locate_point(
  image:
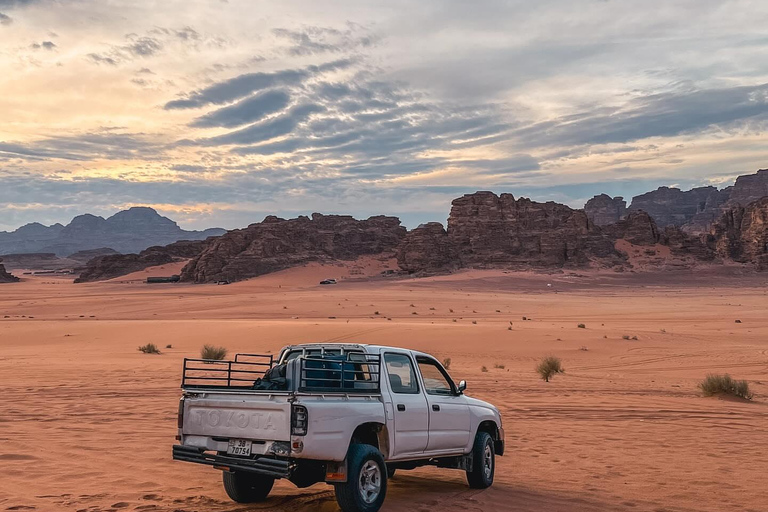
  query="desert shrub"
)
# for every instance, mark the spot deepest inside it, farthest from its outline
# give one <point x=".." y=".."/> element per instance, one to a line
<point x="474" y="322"/>
<point x="211" y="352"/>
<point x="548" y="367"/>
<point x="484" y="369"/>
<point x="581" y="326"/>
<point x="447" y="363"/>
<point x="376" y="313"/>
<point x="498" y="366"/>
<point x="149" y="348"/>
<point x="169" y="346"/>
<point x="583" y="348"/>
<point x="725" y="385"/>
<point x="625" y="337"/>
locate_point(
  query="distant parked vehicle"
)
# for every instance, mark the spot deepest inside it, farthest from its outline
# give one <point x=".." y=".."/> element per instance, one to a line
<point x="223" y="281"/>
<point x="328" y="281"/>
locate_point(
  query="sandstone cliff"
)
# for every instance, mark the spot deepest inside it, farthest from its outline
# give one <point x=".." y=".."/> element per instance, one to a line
<point x="5" y="277"/>
<point x="603" y="210"/>
<point x="275" y="244"/>
<point x="487" y="230"/>
<point x="426" y="249"/>
<point x="741" y="234"/>
<point x="672" y="206"/>
<point x="115" y="265"/>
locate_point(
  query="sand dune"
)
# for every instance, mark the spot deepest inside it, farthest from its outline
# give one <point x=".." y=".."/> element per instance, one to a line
<point x="88" y="421"/>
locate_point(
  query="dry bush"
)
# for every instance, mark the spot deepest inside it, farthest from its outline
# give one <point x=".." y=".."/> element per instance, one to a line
<point x="211" y="352"/>
<point x="484" y="369"/>
<point x="548" y="367"/>
<point x="581" y="326"/>
<point x="725" y="385"/>
<point x="149" y="348"/>
<point x="498" y="366"/>
<point x="447" y="363"/>
<point x="169" y="346"/>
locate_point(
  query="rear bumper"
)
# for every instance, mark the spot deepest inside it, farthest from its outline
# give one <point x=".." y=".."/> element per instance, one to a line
<point x="263" y="465"/>
<point x="498" y="444"/>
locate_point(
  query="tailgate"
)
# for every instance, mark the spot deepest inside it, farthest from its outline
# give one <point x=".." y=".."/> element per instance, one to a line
<point x="253" y="416"/>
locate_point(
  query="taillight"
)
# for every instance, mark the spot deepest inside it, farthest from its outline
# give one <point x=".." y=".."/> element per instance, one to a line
<point x="180" y="417"/>
<point x="299" y="420"/>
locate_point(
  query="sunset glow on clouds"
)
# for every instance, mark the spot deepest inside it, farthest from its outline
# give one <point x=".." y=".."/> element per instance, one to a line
<point x="218" y="113"/>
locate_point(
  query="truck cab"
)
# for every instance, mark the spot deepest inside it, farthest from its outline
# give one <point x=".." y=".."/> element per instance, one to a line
<point x="347" y="414"/>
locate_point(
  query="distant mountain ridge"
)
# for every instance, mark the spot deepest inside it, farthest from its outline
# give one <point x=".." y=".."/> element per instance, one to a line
<point x="127" y="231"/>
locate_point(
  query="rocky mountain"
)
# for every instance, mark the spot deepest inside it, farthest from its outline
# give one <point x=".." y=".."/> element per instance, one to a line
<point x="5" y="277"/>
<point x="604" y="209"/>
<point x="275" y="244"/>
<point x="696" y="210"/>
<point x="426" y="249"/>
<point x="487" y="230"/>
<point x="741" y="234"/>
<point x="128" y="231"/>
<point x="114" y="265"/>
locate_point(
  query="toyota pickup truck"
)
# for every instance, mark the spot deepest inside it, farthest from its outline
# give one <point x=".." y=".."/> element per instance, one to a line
<point x="349" y="415"/>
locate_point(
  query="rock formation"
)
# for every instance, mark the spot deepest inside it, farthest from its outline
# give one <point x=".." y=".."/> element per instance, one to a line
<point x="87" y="255"/>
<point x="603" y="210"/>
<point x="5" y="277"/>
<point x="672" y="206"/>
<point x="638" y="228"/>
<point x="276" y="244"/>
<point x="426" y="249"/>
<point x="741" y="234"/>
<point x="487" y="230"/>
<point x="115" y="265"/>
<point x="128" y="231"/>
<point x="749" y="188"/>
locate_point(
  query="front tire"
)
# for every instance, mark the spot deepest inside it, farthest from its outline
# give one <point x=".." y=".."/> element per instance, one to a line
<point x="366" y="484"/>
<point x="246" y="487"/>
<point x="483" y="462"/>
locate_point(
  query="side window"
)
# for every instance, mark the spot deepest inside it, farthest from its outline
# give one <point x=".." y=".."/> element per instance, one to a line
<point x="402" y="377"/>
<point x="435" y="382"/>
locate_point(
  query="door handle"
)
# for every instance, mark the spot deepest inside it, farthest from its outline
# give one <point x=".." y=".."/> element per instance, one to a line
<point x="401" y="407"/>
<point x="435" y="407"/>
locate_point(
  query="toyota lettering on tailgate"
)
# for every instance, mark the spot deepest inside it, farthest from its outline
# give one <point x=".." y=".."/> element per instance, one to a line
<point x="238" y="419"/>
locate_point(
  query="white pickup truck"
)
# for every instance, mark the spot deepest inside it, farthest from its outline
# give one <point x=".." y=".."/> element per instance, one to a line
<point x="346" y="414"/>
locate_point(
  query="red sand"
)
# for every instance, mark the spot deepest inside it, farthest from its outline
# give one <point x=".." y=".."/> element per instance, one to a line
<point x="88" y="421"/>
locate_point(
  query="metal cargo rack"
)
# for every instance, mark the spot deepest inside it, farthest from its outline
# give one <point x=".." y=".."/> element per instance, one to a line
<point x="239" y="373"/>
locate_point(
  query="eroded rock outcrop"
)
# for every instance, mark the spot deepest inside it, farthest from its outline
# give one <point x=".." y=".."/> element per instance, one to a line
<point x="638" y="228"/>
<point x="426" y="249"/>
<point x="741" y="234"/>
<point x="276" y="244"/>
<point x="672" y="206"/>
<point x="116" y="265"/>
<point x="5" y="277"/>
<point x="487" y="230"/>
<point x="603" y="209"/>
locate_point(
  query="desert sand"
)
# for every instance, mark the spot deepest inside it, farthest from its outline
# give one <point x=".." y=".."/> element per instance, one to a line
<point x="87" y="421"/>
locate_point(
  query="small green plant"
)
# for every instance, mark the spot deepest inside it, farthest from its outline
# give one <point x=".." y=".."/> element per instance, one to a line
<point x="149" y="348"/>
<point x="211" y="352"/>
<point x="484" y="369"/>
<point x="725" y="385"/>
<point x="581" y="326"/>
<point x="447" y="363"/>
<point x="548" y="367"/>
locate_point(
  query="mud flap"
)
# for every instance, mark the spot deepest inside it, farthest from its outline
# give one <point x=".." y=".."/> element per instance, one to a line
<point x="336" y="472"/>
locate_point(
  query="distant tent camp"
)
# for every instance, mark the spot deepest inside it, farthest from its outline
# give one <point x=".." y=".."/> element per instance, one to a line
<point x="166" y="279"/>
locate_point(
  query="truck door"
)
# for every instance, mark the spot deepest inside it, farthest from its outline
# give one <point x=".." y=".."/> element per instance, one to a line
<point x="449" y="418"/>
<point x="411" y="416"/>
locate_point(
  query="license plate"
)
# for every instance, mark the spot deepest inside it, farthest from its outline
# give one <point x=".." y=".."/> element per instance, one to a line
<point x="239" y="447"/>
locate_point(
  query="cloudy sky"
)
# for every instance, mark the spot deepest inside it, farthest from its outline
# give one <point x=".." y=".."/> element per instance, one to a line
<point x="219" y="112"/>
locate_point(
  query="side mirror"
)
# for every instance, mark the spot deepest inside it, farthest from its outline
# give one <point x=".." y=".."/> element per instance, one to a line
<point x="462" y="386"/>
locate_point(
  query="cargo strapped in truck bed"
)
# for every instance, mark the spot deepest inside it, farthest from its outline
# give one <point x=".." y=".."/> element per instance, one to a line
<point x="215" y="374"/>
<point x="354" y="372"/>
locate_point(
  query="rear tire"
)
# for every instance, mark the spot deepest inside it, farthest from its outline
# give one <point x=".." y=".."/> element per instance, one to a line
<point x="246" y="487"/>
<point x="366" y="485"/>
<point x="483" y="462"/>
